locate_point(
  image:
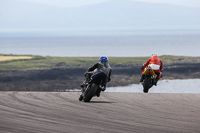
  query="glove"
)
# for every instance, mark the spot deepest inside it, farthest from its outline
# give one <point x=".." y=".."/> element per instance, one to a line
<point x="142" y="67"/>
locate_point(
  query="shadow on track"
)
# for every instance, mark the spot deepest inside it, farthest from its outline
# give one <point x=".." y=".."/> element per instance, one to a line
<point x="100" y="102"/>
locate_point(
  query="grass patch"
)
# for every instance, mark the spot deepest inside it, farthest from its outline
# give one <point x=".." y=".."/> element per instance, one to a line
<point x="21" y="62"/>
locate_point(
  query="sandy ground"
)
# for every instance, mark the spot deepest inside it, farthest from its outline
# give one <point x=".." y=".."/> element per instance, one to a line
<point x="5" y="58"/>
<point x="61" y="112"/>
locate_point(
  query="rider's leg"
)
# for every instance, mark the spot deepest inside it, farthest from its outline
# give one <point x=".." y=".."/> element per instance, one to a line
<point x="100" y="79"/>
<point x="157" y="78"/>
<point x="142" y="78"/>
<point x="103" y="81"/>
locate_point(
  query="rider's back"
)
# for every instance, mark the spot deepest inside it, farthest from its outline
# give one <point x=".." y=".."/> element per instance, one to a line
<point x="155" y="63"/>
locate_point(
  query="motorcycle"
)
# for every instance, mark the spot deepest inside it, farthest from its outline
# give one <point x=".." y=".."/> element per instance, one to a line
<point x="90" y="90"/>
<point x="149" y="79"/>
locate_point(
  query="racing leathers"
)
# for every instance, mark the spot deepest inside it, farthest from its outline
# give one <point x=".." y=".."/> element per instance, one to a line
<point x="156" y="64"/>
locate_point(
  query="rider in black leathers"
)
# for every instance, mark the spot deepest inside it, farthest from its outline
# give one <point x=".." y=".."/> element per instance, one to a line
<point x="101" y="73"/>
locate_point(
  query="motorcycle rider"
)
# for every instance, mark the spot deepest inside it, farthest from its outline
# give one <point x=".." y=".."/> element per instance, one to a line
<point x="101" y="73"/>
<point x="156" y="64"/>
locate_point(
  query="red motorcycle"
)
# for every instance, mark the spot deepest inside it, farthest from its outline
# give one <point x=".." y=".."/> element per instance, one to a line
<point x="150" y="79"/>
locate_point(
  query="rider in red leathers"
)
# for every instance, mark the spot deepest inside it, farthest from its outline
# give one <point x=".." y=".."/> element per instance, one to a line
<point x="156" y="64"/>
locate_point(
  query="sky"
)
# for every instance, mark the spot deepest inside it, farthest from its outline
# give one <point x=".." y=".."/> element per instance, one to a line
<point x="76" y="3"/>
<point x="21" y="15"/>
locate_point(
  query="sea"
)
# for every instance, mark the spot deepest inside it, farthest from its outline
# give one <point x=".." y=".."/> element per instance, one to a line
<point x="120" y="44"/>
<point x="163" y="86"/>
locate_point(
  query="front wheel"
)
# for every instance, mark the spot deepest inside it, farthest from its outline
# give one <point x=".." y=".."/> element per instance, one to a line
<point x="146" y="84"/>
<point x="90" y="92"/>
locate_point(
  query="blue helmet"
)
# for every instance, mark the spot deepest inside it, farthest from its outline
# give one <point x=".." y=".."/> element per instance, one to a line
<point x="103" y="59"/>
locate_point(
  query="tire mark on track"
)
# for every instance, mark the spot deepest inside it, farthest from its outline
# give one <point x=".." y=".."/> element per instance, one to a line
<point x="111" y="112"/>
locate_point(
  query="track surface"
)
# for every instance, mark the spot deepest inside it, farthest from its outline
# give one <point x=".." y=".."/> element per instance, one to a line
<point x="61" y="112"/>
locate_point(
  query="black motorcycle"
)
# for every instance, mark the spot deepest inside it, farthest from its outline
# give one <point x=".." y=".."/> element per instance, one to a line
<point x="93" y="88"/>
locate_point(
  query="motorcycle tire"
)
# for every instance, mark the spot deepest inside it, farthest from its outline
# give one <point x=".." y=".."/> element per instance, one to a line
<point x="90" y="93"/>
<point x="146" y="84"/>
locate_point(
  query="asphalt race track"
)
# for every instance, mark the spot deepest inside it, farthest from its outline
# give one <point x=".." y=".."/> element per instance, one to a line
<point x="61" y="112"/>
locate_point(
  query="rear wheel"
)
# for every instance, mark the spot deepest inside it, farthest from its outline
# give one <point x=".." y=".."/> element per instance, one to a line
<point x="90" y="92"/>
<point x="146" y="84"/>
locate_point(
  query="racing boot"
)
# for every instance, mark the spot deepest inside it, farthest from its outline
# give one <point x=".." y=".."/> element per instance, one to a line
<point x="98" y="92"/>
<point x="103" y="88"/>
<point x="81" y="97"/>
<point x="82" y="85"/>
<point x="155" y="81"/>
